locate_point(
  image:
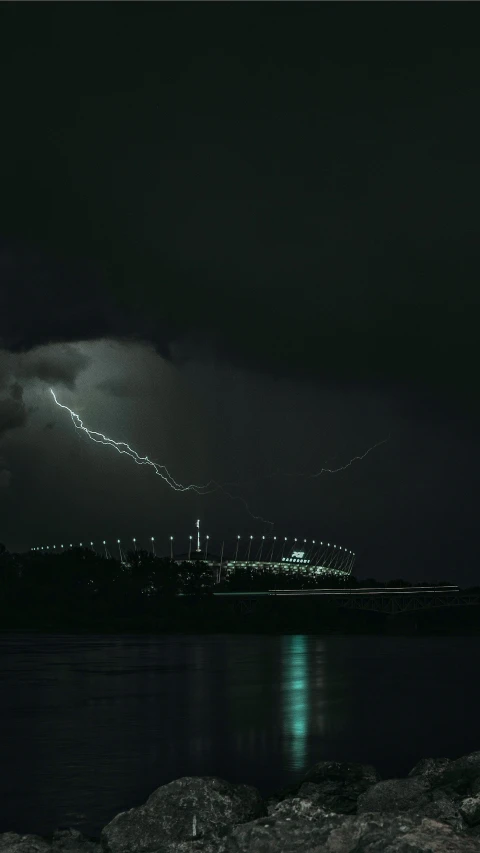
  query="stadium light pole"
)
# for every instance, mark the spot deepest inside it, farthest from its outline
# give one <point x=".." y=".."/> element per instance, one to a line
<point x="152" y="539"/>
<point x="190" y="548"/>
<point x="236" y="549"/>
<point x="105" y="548"/>
<point x="221" y="561"/>
<point x="249" y="546"/>
<point x="261" y="549"/>
<point x="135" y="544"/>
<point x="171" y="547"/>
<point x="283" y="548"/>
<point x="273" y="546"/>
<point x="206" y="546"/>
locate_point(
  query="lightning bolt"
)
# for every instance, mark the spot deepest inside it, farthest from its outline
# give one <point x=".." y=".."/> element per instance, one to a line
<point x="307" y="475"/>
<point x="210" y="487"/>
<point x="347" y="465"/>
<point x="161" y="470"/>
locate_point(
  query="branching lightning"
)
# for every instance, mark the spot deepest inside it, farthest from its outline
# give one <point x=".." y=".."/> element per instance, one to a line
<point x="307" y="475"/>
<point x="210" y="487"/>
<point x="347" y="465"/>
<point x="160" y="470"/>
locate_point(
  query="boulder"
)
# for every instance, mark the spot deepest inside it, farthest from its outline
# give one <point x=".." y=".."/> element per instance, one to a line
<point x="367" y="833"/>
<point x="412" y="834"/>
<point x="306" y="808"/>
<point x="72" y="841"/>
<point x="183" y="810"/>
<point x="430" y="768"/>
<point x="394" y="795"/>
<point x="470" y="810"/>
<point x="461" y="775"/>
<point x="11" y="842"/>
<point x="335" y="785"/>
<point x="439" y="805"/>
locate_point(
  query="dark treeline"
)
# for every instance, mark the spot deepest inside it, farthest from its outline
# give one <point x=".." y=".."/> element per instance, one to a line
<point x="80" y="589"/>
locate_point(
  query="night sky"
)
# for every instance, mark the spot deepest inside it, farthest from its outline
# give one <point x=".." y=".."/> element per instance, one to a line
<point x="244" y="238"/>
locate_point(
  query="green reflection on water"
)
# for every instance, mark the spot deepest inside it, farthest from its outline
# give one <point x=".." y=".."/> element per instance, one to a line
<point x="296" y="699"/>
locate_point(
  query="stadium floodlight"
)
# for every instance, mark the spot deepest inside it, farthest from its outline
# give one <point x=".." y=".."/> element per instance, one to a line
<point x="81" y="546"/>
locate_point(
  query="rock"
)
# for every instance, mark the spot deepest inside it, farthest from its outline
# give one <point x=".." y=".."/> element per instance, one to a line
<point x="283" y="794"/>
<point x="72" y="841"/>
<point x="299" y="807"/>
<point x="409" y="834"/>
<point x="334" y="784"/>
<point x="461" y="774"/>
<point x="367" y="833"/>
<point x="394" y="795"/>
<point x="183" y="810"/>
<point x="11" y="842"/>
<point x="414" y="796"/>
<point x="439" y="805"/>
<point x="470" y="810"/>
<point x="430" y="768"/>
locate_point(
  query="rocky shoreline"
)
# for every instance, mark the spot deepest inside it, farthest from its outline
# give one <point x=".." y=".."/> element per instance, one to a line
<point x="337" y="807"/>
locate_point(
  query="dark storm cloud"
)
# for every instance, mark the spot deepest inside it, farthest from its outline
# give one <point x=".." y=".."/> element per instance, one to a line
<point x="120" y="387"/>
<point x="5" y="477"/>
<point x="307" y="211"/>
<point x="13" y="412"/>
<point x="55" y="365"/>
<point x="46" y="300"/>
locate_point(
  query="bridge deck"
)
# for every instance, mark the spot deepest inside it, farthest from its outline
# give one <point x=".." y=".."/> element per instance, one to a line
<point x="375" y="600"/>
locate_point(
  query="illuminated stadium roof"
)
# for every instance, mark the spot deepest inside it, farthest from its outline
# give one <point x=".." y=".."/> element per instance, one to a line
<point x="275" y="553"/>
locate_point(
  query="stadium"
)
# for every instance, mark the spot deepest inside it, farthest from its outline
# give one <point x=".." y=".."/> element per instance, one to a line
<point x="268" y="553"/>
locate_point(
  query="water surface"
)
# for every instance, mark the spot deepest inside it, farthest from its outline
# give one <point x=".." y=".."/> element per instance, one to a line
<point x="91" y="725"/>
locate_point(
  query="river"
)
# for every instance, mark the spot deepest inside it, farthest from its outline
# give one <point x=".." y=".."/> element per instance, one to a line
<point x="91" y="725"/>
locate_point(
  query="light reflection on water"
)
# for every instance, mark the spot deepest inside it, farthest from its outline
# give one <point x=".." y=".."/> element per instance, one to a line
<point x="92" y="725"/>
<point x="295" y="696"/>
